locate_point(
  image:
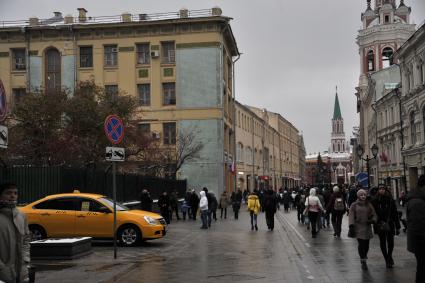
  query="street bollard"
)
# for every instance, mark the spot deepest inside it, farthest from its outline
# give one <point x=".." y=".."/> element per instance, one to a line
<point x="31" y="273"/>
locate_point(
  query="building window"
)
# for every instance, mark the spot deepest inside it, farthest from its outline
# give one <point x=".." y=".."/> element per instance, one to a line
<point x="370" y="61"/>
<point x="18" y="94"/>
<point x="18" y="57"/>
<point x="144" y="128"/>
<point x="111" y="91"/>
<point x="422" y="72"/>
<point x="111" y="55"/>
<point x="168" y="52"/>
<point x="248" y="156"/>
<point x="239" y="153"/>
<point x="412" y="128"/>
<point x="143" y="53"/>
<point x="387" y="19"/>
<point x="53" y="70"/>
<point x="169" y="130"/>
<point x="387" y="57"/>
<point x="86" y="56"/>
<point x="144" y="91"/>
<point x="169" y="94"/>
<point x="423" y="121"/>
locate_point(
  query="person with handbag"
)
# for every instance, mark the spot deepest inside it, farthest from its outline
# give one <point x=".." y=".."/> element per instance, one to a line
<point x="360" y="219"/>
<point x="313" y="207"/>
<point x="388" y="223"/>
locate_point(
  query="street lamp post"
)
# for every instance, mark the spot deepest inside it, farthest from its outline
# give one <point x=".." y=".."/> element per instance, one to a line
<point x="360" y="152"/>
<point x="334" y="166"/>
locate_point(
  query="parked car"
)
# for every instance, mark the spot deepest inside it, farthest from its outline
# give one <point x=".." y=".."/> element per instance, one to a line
<point x="79" y="214"/>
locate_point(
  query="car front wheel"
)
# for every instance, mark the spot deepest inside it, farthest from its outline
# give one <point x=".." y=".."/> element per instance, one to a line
<point x="37" y="233"/>
<point x="129" y="235"/>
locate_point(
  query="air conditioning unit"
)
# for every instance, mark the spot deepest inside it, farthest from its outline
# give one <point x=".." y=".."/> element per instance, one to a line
<point x="156" y="135"/>
<point x="154" y="53"/>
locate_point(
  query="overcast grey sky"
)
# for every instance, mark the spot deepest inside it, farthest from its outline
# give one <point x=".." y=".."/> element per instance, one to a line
<point x="294" y="52"/>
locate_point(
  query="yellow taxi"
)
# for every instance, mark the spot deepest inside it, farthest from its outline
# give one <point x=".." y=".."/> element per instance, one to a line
<point x="91" y="215"/>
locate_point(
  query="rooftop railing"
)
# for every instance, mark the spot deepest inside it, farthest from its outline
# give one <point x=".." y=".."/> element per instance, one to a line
<point x="116" y="19"/>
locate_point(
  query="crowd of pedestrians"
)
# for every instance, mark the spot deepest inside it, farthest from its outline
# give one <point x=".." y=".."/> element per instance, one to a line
<point x="370" y="213"/>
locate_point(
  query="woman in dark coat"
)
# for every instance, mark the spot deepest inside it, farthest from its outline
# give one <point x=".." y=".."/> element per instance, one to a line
<point x="415" y="215"/>
<point x="388" y="223"/>
<point x="360" y="219"/>
<point x="270" y="204"/>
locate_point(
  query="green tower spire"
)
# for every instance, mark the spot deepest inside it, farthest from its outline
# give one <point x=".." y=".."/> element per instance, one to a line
<point x="337" y="110"/>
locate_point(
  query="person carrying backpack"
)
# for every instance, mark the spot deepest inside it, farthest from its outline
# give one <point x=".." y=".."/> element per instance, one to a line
<point x="336" y="206"/>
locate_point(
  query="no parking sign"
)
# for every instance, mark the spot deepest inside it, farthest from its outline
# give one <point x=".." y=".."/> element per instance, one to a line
<point x="114" y="129"/>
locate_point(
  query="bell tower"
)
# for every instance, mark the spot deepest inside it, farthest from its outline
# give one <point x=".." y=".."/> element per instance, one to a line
<point x="385" y="28"/>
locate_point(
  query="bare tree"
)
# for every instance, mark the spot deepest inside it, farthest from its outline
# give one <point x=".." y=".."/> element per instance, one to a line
<point x="187" y="149"/>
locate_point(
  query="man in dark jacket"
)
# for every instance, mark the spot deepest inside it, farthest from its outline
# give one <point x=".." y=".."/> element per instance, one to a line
<point x="336" y="206"/>
<point x="270" y="204"/>
<point x="194" y="204"/>
<point x="164" y="206"/>
<point x="145" y="201"/>
<point x="416" y="227"/>
<point x="174" y="203"/>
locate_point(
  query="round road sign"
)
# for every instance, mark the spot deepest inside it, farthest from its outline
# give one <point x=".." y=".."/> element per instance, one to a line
<point x="3" y="105"/>
<point x="114" y="129"/>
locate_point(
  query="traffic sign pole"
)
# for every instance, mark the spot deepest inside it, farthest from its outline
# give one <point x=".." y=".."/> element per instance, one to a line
<point x="114" y="130"/>
<point x="114" y="193"/>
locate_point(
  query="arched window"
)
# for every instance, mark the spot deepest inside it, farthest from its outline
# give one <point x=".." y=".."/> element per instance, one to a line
<point x="412" y="128"/>
<point x="338" y="148"/>
<point x="52" y="70"/>
<point x="370" y="61"/>
<point x="387" y="57"/>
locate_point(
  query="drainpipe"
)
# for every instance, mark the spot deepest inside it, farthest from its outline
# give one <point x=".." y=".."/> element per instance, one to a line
<point x="74" y="40"/>
<point x="27" y="56"/>
<point x="399" y="96"/>
<point x="253" y="154"/>
<point x="234" y="119"/>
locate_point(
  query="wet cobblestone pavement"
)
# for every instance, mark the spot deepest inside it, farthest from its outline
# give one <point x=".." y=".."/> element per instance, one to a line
<point x="231" y="252"/>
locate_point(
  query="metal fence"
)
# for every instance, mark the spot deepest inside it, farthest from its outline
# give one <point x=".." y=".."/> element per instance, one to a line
<point x="37" y="182"/>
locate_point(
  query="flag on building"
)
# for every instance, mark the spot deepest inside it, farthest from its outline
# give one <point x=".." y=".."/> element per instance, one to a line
<point x="233" y="167"/>
<point x="384" y="157"/>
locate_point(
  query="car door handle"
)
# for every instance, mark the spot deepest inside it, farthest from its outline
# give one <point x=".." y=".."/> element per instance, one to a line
<point x="45" y="214"/>
<point x="80" y="216"/>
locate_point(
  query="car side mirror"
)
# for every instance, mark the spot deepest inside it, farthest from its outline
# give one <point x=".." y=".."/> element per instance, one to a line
<point x="104" y="209"/>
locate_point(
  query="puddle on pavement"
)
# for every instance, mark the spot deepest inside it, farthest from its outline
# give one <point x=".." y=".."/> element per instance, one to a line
<point x="52" y="266"/>
<point x="236" y="277"/>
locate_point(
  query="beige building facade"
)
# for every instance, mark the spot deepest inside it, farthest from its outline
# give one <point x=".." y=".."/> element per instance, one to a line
<point x="268" y="150"/>
<point x="178" y="65"/>
<point x="412" y="64"/>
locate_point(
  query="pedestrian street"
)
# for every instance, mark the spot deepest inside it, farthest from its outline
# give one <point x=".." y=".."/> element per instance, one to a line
<point x="230" y="252"/>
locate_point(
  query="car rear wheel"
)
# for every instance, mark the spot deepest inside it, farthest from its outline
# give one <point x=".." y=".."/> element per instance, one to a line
<point x="129" y="235"/>
<point x="37" y="233"/>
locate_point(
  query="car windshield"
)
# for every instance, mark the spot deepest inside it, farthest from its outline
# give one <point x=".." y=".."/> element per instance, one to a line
<point x="110" y="203"/>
